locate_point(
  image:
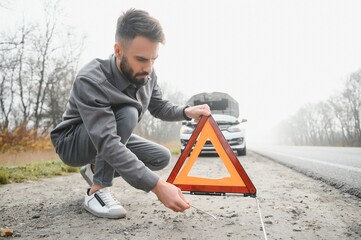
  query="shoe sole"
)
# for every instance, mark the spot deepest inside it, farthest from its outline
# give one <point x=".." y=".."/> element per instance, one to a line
<point x="103" y="215"/>
<point x="82" y="172"/>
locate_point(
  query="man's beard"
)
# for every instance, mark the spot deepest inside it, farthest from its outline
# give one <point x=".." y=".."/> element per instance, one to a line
<point x="129" y="73"/>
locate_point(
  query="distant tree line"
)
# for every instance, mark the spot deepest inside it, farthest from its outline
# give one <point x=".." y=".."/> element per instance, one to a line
<point x="162" y="131"/>
<point x="335" y="122"/>
<point x="38" y="63"/>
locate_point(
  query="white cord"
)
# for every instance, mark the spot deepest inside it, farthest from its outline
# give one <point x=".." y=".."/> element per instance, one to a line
<point x="260" y="216"/>
<point x="204" y="212"/>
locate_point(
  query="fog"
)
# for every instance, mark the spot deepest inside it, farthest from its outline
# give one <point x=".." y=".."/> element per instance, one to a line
<point x="271" y="56"/>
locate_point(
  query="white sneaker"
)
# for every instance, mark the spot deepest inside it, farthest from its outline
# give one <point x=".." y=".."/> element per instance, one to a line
<point x="87" y="173"/>
<point x="103" y="203"/>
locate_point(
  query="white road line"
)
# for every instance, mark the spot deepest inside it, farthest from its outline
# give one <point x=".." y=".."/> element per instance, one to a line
<point x="350" y="168"/>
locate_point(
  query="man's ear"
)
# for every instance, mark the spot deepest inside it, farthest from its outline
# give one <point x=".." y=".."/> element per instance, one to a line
<point x="118" y="50"/>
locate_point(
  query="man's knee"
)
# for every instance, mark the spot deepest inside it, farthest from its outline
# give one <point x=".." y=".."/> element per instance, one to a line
<point x="161" y="160"/>
<point x="75" y="148"/>
<point x="127" y="118"/>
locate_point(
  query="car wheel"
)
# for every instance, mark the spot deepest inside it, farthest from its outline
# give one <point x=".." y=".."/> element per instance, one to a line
<point x="242" y="152"/>
<point x="182" y="150"/>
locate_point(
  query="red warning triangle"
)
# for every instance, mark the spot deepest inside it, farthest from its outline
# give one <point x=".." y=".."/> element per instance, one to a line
<point x="238" y="182"/>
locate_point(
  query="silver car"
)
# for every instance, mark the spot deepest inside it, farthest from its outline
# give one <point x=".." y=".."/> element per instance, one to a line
<point x="225" y="112"/>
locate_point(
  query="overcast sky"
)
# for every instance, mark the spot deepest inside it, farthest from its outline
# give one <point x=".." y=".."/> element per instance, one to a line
<point x="271" y="56"/>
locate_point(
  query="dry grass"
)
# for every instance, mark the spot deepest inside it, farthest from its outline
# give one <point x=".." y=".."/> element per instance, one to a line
<point x="31" y="165"/>
<point x="173" y="146"/>
<point x="15" y="159"/>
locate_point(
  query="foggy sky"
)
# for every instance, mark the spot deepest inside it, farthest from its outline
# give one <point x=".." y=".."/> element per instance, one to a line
<point x="272" y="56"/>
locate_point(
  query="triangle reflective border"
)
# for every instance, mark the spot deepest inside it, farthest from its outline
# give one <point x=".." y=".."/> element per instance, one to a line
<point x="238" y="182"/>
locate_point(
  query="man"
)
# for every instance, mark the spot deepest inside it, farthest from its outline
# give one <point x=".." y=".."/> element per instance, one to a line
<point x="108" y="99"/>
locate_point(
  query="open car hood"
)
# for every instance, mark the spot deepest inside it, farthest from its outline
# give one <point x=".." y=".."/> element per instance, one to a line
<point x="219" y="102"/>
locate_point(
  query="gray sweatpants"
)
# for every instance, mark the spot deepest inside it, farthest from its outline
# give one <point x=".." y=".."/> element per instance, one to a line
<point x="78" y="150"/>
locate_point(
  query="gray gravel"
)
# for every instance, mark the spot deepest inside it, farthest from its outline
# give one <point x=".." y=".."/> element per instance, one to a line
<point x="294" y="206"/>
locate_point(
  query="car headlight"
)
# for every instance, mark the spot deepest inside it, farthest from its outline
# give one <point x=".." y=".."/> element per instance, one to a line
<point x="236" y="128"/>
<point x="186" y="130"/>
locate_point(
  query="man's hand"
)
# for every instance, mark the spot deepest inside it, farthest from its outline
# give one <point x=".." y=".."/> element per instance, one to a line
<point x="196" y="112"/>
<point x="171" y="196"/>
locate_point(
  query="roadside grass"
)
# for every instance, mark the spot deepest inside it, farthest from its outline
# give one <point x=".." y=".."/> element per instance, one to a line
<point x="34" y="165"/>
<point x="34" y="171"/>
<point x="175" y="151"/>
<point x="173" y="146"/>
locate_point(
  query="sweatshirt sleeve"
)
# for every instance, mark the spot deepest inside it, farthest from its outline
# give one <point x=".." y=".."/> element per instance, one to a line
<point x="164" y="109"/>
<point x="99" y="120"/>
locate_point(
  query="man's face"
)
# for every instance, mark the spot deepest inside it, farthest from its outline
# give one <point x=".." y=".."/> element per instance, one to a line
<point x="137" y="59"/>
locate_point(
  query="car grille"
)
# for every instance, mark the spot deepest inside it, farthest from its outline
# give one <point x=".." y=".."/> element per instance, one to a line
<point x="224" y="127"/>
<point x="231" y="142"/>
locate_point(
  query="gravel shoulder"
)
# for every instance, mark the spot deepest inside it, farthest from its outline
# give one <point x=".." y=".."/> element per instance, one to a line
<point x="293" y="206"/>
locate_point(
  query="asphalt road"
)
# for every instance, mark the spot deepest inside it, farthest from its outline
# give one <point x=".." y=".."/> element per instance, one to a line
<point x="337" y="166"/>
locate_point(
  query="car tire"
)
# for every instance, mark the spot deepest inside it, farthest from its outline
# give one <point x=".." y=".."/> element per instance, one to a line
<point x="182" y="150"/>
<point x="242" y="152"/>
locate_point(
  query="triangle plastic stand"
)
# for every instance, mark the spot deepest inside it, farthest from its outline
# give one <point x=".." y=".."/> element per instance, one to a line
<point x="238" y="182"/>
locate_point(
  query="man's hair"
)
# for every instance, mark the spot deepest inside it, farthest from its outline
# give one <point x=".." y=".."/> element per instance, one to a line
<point x="135" y="23"/>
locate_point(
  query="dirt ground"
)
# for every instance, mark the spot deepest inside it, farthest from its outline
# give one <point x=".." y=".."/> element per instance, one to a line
<point x="293" y="207"/>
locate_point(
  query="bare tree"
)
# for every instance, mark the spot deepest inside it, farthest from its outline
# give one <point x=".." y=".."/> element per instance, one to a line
<point x="342" y="114"/>
<point x="313" y="124"/>
<point x="11" y="62"/>
<point x="25" y="86"/>
<point x="43" y="48"/>
<point x="157" y="130"/>
<point x="6" y="95"/>
<point x="352" y="95"/>
<point x="38" y="63"/>
<point x="60" y="82"/>
<point x="58" y="56"/>
<point x="326" y="125"/>
<point x="334" y="122"/>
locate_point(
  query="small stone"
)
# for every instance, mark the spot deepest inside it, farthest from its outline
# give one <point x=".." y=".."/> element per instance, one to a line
<point x="230" y="223"/>
<point x="231" y="215"/>
<point x="17" y="235"/>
